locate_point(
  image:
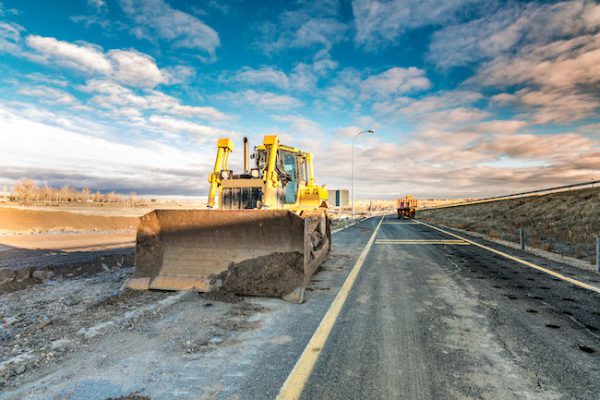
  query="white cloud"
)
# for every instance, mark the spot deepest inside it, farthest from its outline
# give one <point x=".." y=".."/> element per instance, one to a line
<point x="543" y="147"/>
<point x="557" y="82"/>
<point x="180" y="125"/>
<point x="348" y="131"/>
<point x="259" y="76"/>
<point x="561" y="64"/>
<point x="64" y="119"/>
<point x="304" y="77"/>
<point x="132" y="67"/>
<point x="395" y="81"/>
<point x="303" y="126"/>
<point x="299" y="131"/>
<point x="129" y="67"/>
<point x="415" y="108"/>
<point x="382" y="22"/>
<point x="255" y="98"/>
<point x="98" y="5"/>
<point x="85" y="57"/>
<point x="513" y="27"/>
<point x="344" y="90"/>
<point x="318" y="31"/>
<point x="110" y="95"/>
<point x="178" y="74"/>
<point x="501" y="126"/>
<point x="56" y="81"/>
<point x="313" y="24"/>
<point x="59" y="154"/>
<point x="10" y="35"/>
<point x="49" y="94"/>
<point x="5" y="11"/>
<point x="156" y="18"/>
<point x="552" y="106"/>
<point x="91" y="20"/>
<point x="444" y="163"/>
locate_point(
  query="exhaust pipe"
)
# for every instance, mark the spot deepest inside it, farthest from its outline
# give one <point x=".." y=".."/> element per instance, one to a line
<point x="246" y="157"/>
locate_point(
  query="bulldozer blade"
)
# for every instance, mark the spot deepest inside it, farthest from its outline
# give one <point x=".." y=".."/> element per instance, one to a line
<point x="247" y="252"/>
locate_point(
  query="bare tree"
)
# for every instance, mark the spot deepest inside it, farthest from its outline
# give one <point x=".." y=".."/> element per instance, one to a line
<point x="46" y="193"/>
<point x="85" y="194"/>
<point x="113" y="197"/>
<point x="25" y="189"/>
<point x="64" y="194"/>
<point x="132" y="198"/>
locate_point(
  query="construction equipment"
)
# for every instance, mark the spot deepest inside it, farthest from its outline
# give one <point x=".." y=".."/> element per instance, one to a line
<point x="407" y="207"/>
<point x="268" y="237"/>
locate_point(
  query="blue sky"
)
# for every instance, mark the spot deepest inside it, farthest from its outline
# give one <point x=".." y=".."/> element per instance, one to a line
<point x="468" y="98"/>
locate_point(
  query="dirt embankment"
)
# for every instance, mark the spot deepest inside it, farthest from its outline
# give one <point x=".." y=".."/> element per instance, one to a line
<point x="14" y="220"/>
<point x="566" y="223"/>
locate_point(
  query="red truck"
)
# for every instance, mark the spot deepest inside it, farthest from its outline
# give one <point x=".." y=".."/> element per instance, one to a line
<point x="407" y="207"/>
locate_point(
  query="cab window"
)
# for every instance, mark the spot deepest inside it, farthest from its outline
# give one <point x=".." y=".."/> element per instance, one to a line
<point x="291" y="168"/>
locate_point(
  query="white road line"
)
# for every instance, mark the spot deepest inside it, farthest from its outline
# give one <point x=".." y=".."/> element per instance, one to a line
<point x="519" y="260"/>
<point x="296" y="380"/>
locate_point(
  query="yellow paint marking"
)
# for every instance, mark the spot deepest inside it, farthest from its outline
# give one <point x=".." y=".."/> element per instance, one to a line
<point x="519" y="260"/>
<point x="423" y="242"/>
<point x="295" y="382"/>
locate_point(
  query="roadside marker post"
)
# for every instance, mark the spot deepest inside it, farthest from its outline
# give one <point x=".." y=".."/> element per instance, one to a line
<point x="598" y="253"/>
<point x="522" y="237"/>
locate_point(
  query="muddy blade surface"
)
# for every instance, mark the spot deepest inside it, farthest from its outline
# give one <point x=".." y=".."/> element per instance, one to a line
<point x="247" y="252"/>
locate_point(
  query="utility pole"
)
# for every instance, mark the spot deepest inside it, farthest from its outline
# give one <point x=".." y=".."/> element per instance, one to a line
<point x="353" y="143"/>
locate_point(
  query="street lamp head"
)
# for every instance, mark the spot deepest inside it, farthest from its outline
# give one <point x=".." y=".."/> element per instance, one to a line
<point x="370" y="131"/>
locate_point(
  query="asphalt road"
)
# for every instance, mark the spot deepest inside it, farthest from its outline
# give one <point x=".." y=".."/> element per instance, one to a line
<point x="428" y="317"/>
<point x="448" y="320"/>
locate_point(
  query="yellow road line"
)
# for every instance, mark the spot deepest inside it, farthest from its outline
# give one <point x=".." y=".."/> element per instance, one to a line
<point x="295" y="382"/>
<point x="424" y="243"/>
<point x="421" y="240"/>
<point x="519" y="260"/>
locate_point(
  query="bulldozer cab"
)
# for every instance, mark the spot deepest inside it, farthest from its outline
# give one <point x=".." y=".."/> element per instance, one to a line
<point x="282" y="178"/>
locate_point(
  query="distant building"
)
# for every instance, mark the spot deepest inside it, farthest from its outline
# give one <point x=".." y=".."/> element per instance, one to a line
<point x="339" y="198"/>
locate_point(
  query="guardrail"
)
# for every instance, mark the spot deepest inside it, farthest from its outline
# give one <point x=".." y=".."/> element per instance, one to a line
<point x="538" y="192"/>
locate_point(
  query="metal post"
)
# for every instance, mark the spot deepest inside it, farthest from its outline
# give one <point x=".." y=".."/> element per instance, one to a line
<point x="353" y="142"/>
<point x="522" y="237"/>
<point x="598" y="253"/>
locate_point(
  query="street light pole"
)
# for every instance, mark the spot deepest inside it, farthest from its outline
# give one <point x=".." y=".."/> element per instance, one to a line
<point x="353" y="143"/>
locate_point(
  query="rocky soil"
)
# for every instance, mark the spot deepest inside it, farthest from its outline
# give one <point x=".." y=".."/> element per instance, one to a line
<point x="57" y="320"/>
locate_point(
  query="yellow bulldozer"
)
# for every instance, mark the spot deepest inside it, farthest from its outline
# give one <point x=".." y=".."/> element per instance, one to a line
<point x="267" y="237"/>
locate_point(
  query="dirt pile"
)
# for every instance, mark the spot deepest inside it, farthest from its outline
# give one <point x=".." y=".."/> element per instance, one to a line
<point x="26" y="221"/>
<point x="566" y="223"/>
<point x="274" y="275"/>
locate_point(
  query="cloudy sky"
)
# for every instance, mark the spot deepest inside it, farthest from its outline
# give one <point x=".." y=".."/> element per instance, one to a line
<point x="467" y="97"/>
